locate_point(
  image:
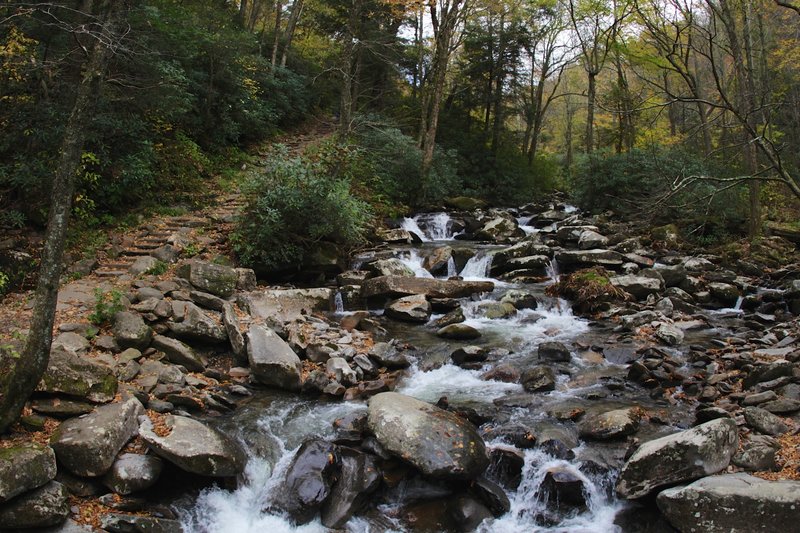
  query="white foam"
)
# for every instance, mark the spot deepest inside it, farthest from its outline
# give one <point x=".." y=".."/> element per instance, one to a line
<point x="456" y="383"/>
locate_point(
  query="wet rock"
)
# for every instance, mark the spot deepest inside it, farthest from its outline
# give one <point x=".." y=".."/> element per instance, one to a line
<point x="309" y="480"/>
<point x="359" y="477"/>
<point x="505" y="467"/>
<point x="553" y="352"/>
<point x="130" y="331"/>
<point x="757" y="454"/>
<point x="127" y="523"/>
<point x="133" y="472"/>
<point x="665" y="307"/>
<point x="467" y="512"/>
<point x="621" y="355"/>
<point x="453" y="317"/>
<point x="436" y="261"/>
<point x="764" y="422"/>
<point x="669" y="334"/>
<point x="468" y="354"/>
<point x="639" y="286"/>
<point x="440" y="444"/>
<point x="538" y="379"/>
<point x="520" y="299"/>
<point x="179" y="353"/>
<point x="564" y="486"/>
<point x="497" y="310"/>
<point x="684" y="456"/>
<point x="196" y="325"/>
<point x="25" y="467"/>
<point x="731" y="502"/>
<point x="218" y="280"/>
<point x="272" y="361"/>
<point x="492" y="495"/>
<point x="194" y="447"/>
<point x="500" y="229"/>
<point x="611" y="424"/>
<point x="458" y="332"/>
<point x="87" y="446"/>
<point x="42" y="507"/>
<point x="393" y="286"/>
<point x="415" y="308"/>
<point x="724" y="293"/>
<point x="534" y="265"/>
<point x="387" y="355"/>
<point x="503" y="372"/>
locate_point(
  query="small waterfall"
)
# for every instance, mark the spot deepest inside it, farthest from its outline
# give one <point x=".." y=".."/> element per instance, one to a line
<point x="553" y="272"/>
<point x="530" y="510"/>
<point x="410" y="224"/>
<point x="438" y="227"/>
<point x="478" y="266"/>
<point x="338" y="303"/>
<point x="414" y="261"/>
<point x="452" y="270"/>
<point x="738" y="306"/>
<point x="524" y="225"/>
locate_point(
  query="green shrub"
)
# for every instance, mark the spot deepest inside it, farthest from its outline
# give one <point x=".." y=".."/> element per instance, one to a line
<point x="294" y="205"/>
<point x="156" y="270"/>
<point x="106" y="305"/>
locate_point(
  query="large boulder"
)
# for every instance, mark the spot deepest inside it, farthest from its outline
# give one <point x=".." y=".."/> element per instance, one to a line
<point x="390" y="267"/>
<point x="414" y="308"/>
<point x="87" y="445"/>
<point x="462" y="332"/>
<point x="309" y="479"/>
<point x="359" y="477"/>
<point x="590" y="239"/>
<point x="639" y="286"/>
<point x="179" y="353"/>
<point x="437" y="442"/>
<point x="219" y="280"/>
<point x="732" y="503"/>
<point x="394" y="286"/>
<point x="500" y="229"/>
<point x="683" y="456"/>
<point x="436" y="261"/>
<point x="272" y="361"/>
<point x="24" y="468"/>
<point x="574" y="259"/>
<point x="78" y="377"/>
<point x="193" y="324"/>
<point x="286" y="304"/>
<point x="43" y="507"/>
<point x="193" y="446"/>
<point x="610" y="425"/>
<point x="130" y="331"/>
<point x="132" y="472"/>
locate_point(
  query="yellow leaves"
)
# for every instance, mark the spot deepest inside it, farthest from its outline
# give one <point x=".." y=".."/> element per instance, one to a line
<point x="15" y="52"/>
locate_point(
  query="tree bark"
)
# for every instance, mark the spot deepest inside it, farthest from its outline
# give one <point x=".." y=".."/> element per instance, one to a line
<point x="591" y="95"/>
<point x="23" y="378"/>
<point x="294" y="16"/>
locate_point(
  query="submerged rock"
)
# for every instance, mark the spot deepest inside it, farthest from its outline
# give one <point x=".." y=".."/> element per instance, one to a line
<point x="683" y="456"/>
<point x="194" y="447"/>
<point x="731" y="503"/>
<point x="458" y="332"/>
<point x="439" y="443"/>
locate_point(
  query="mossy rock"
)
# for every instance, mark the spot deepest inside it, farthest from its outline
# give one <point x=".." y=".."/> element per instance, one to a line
<point x="465" y="203"/>
<point x="590" y="290"/>
<point x="75" y="376"/>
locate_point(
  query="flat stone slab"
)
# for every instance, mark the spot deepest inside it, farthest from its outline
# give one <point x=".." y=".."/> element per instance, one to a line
<point x="731" y="503"/>
<point x="397" y="286"/>
<point x="286" y="304"/>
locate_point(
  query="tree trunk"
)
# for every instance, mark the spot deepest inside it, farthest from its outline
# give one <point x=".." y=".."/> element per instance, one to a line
<point x="22" y="379"/>
<point x="297" y="10"/>
<point x="590" y="102"/>
<point x="277" y="40"/>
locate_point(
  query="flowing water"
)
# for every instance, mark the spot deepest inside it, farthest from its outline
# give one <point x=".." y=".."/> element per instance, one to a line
<point x="273" y="425"/>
